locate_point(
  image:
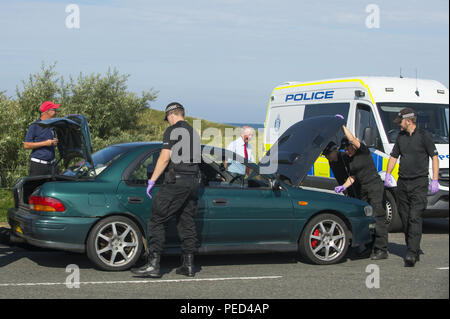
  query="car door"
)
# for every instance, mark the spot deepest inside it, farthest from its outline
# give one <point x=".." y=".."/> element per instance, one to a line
<point x="245" y="209"/>
<point x="132" y="195"/>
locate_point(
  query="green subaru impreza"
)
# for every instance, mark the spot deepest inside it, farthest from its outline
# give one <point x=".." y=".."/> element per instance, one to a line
<point x="99" y="206"/>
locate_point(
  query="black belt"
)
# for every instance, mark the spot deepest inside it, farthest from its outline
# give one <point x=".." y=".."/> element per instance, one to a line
<point x="179" y="175"/>
<point x="187" y="173"/>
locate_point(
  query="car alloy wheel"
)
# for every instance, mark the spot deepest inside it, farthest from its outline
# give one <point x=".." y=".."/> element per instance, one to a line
<point x="115" y="243"/>
<point x="325" y="240"/>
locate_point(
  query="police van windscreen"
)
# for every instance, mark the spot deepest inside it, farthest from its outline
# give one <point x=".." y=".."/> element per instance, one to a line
<point x="431" y="117"/>
<point x="312" y="110"/>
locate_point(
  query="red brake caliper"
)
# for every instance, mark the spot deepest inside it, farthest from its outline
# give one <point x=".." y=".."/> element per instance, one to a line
<point x="314" y="242"/>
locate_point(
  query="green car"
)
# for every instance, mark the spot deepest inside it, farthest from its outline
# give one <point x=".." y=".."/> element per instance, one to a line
<point x="99" y="206"/>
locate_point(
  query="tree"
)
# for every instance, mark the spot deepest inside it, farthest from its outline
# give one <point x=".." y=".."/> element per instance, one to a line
<point x="105" y="101"/>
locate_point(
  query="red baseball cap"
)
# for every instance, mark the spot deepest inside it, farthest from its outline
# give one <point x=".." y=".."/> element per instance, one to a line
<point x="47" y="105"/>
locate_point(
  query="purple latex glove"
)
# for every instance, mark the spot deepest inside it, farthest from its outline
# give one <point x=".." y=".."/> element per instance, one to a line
<point x="340" y="189"/>
<point x="434" y="187"/>
<point x="389" y="180"/>
<point x="149" y="188"/>
<point x="339" y="116"/>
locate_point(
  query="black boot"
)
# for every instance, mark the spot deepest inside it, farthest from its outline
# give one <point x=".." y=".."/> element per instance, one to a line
<point x="379" y="254"/>
<point x="187" y="268"/>
<point x="151" y="268"/>
<point x="411" y="259"/>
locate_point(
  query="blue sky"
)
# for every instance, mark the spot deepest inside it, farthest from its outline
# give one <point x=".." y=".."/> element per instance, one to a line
<point x="222" y="58"/>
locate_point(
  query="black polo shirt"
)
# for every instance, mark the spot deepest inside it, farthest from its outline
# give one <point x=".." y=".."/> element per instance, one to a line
<point x="341" y="171"/>
<point x="415" y="151"/>
<point x="184" y="143"/>
<point x="362" y="166"/>
<point x="38" y="133"/>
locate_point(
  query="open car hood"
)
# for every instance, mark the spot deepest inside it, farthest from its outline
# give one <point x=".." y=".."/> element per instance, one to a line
<point x="296" y="150"/>
<point x="74" y="138"/>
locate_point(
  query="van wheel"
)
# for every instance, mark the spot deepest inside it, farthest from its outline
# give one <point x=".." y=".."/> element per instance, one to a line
<point x="114" y="243"/>
<point x="393" y="220"/>
<point x="325" y="240"/>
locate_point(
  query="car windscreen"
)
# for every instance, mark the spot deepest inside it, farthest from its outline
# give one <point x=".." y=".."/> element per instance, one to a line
<point x="101" y="159"/>
<point x="430" y="117"/>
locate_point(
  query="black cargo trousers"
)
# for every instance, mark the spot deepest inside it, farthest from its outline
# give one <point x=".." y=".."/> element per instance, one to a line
<point x="374" y="194"/>
<point x="412" y="201"/>
<point x="37" y="169"/>
<point x="177" y="198"/>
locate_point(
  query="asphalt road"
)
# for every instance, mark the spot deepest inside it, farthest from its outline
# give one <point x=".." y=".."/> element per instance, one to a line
<point x="42" y="274"/>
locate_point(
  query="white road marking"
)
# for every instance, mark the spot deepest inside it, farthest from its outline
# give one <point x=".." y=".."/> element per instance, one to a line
<point x="443" y="268"/>
<point x="152" y="281"/>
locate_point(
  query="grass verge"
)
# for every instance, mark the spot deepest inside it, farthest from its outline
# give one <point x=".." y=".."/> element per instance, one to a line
<point x="6" y="202"/>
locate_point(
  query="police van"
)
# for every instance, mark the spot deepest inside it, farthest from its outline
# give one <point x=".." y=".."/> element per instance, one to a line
<point x="369" y="105"/>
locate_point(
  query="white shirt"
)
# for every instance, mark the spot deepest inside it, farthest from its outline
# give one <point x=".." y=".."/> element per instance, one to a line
<point x="237" y="146"/>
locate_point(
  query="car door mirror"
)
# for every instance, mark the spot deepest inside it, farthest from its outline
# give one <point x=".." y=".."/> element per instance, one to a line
<point x="275" y="184"/>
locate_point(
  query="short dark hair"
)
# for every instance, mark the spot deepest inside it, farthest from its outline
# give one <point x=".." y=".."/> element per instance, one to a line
<point x="178" y="111"/>
<point x="406" y="113"/>
<point x="174" y="108"/>
<point x="330" y="148"/>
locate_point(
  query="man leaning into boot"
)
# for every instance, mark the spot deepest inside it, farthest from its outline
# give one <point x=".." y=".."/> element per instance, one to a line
<point x="177" y="195"/>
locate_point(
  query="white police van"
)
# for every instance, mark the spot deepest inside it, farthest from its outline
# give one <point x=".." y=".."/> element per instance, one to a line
<point x="369" y="105"/>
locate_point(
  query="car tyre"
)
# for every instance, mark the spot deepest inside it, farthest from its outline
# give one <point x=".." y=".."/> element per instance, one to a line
<point x="393" y="219"/>
<point x="324" y="240"/>
<point x="114" y="243"/>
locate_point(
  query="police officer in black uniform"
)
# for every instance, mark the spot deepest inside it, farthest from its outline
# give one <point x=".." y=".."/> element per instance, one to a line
<point x="339" y="164"/>
<point x="415" y="146"/>
<point x="362" y="169"/>
<point x="177" y="196"/>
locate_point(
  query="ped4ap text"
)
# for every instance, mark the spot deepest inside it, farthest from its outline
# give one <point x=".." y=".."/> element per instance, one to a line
<point x="228" y="308"/>
<point x="243" y="308"/>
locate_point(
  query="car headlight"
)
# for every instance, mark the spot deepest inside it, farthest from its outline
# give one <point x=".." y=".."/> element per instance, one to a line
<point x="368" y="210"/>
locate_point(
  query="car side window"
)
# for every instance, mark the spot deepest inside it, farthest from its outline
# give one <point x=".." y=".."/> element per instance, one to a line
<point x="255" y="180"/>
<point x="214" y="170"/>
<point x="215" y="173"/>
<point x="145" y="170"/>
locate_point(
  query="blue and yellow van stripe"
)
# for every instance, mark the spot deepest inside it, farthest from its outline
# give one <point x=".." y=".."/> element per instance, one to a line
<point x="321" y="167"/>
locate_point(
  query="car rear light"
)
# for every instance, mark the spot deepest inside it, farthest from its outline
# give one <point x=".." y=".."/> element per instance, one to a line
<point x="46" y="204"/>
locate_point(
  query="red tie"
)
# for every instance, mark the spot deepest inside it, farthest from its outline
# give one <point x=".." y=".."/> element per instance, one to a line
<point x="246" y="157"/>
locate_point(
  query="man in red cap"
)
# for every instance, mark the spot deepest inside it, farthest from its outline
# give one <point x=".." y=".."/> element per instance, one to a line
<point x="42" y="142"/>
